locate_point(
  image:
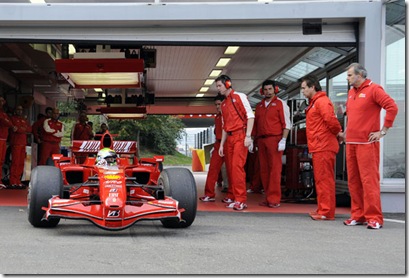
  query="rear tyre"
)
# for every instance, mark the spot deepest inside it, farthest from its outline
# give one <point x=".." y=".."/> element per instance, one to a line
<point x="45" y="182"/>
<point x="180" y="184"/>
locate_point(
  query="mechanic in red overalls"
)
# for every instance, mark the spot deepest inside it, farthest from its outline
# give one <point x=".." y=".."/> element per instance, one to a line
<point x="271" y="128"/>
<point x="53" y="132"/>
<point x="238" y="120"/>
<point x="362" y="135"/>
<point x="5" y="124"/>
<point x="18" y="142"/>
<point x="37" y="129"/>
<point x="322" y="128"/>
<point x="216" y="161"/>
<point x="82" y="131"/>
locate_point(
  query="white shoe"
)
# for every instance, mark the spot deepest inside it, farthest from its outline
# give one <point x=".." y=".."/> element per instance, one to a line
<point x="207" y="199"/>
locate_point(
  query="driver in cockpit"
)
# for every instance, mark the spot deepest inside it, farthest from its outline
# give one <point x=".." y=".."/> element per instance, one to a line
<point x="106" y="157"/>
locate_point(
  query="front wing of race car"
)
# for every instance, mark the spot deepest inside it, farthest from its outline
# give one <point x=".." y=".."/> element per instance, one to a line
<point x="113" y="217"/>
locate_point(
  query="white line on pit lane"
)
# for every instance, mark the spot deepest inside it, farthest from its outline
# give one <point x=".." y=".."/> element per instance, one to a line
<point x="394" y="220"/>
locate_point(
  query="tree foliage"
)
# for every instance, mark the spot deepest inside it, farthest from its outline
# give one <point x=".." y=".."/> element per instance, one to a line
<point x="157" y="132"/>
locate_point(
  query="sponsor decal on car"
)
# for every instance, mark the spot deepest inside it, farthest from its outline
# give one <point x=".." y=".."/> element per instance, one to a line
<point x="113" y="213"/>
<point x="112" y="177"/>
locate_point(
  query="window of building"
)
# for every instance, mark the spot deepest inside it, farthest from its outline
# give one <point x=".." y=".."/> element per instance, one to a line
<point x="394" y="143"/>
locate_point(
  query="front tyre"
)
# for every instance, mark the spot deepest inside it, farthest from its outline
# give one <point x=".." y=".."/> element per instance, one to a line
<point x="180" y="184"/>
<point x="45" y="182"/>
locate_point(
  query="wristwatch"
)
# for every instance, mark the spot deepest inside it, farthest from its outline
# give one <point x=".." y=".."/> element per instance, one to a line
<point x="383" y="133"/>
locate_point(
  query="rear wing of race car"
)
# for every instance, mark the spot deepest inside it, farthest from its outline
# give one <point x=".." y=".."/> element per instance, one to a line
<point x="93" y="146"/>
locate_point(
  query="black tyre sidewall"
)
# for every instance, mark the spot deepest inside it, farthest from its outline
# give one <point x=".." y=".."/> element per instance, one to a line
<point x="45" y="182"/>
<point x="180" y="184"/>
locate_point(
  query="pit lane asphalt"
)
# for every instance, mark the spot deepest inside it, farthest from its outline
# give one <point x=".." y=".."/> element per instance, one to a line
<point x="216" y="243"/>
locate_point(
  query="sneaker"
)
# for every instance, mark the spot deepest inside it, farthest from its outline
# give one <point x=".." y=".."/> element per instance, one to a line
<point x="250" y="190"/>
<point x="2" y="186"/>
<point x="207" y="199"/>
<point x="239" y="206"/>
<point x="353" y="222"/>
<point x="227" y="200"/>
<point x="313" y="213"/>
<point x="320" y="217"/>
<point x="231" y="205"/>
<point x="373" y="225"/>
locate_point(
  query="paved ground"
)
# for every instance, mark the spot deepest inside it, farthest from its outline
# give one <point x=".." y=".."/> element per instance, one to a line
<point x="216" y="243"/>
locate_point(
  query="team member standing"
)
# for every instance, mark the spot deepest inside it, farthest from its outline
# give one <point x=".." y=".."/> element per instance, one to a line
<point x="362" y="135"/>
<point x="53" y="132"/>
<point x="271" y="128"/>
<point x="82" y="131"/>
<point x="103" y="129"/>
<point x="322" y="130"/>
<point x="216" y="161"/>
<point x="238" y="120"/>
<point x="18" y="142"/>
<point x="5" y="124"/>
<point x="38" y="130"/>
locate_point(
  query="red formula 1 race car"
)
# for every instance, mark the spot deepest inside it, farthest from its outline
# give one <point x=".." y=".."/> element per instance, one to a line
<point x="113" y="190"/>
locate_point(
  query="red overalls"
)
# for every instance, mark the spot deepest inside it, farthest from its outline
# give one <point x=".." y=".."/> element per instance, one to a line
<point x="216" y="161"/>
<point x="53" y="132"/>
<point x="235" y="111"/>
<point x="18" y="142"/>
<point x="5" y="124"/>
<point x="322" y="130"/>
<point x="363" y="109"/>
<point x="269" y="125"/>
<point x="82" y="131"/>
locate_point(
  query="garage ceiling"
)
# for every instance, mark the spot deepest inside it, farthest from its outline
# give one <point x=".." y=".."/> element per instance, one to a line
<point x="181" y="67"/>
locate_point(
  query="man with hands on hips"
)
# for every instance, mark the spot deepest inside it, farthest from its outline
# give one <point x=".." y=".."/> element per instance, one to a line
<point x="271" y="127"/>
<point x="238" y="120"/>
<point x="361" y="136"/>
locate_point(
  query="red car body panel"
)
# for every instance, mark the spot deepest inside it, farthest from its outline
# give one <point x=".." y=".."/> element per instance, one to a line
<point x="110" y="197"/>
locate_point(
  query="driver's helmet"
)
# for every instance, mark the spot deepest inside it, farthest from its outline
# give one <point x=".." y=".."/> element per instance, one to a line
<point x="106" y="156"/>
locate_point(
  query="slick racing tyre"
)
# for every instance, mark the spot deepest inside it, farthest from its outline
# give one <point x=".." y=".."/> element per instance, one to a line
<point x="45" y="182"/>
<point x="180" y="184"/>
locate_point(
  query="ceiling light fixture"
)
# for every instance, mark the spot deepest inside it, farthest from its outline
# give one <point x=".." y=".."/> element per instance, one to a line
<point x="123" y="113"/>
<point x="230" y="50"/>
<point x="71" y="49"/>
<point x="215" y="73"/>
<point x="22" y="71"/>
<point x="204" y="89"/>
<point x="37" y="1"/>
<point x="208" y="82"/>
<point x="199" y="95"/>
<point x="223" y="62"/>
<point x="106" y="73"/>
